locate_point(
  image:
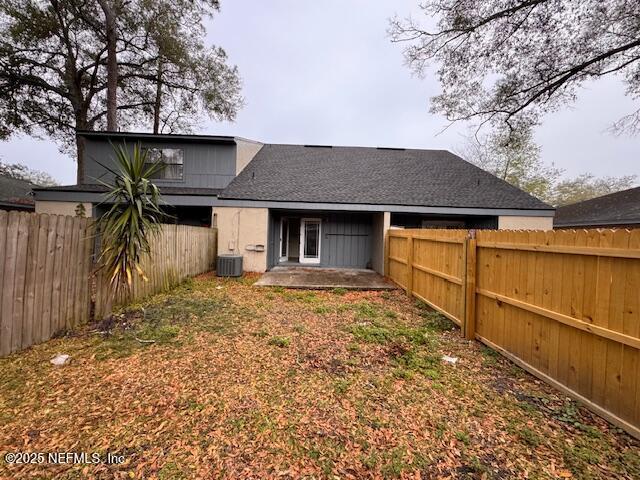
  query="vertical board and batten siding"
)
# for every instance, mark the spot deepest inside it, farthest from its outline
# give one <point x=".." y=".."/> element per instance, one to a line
<point x="205" y="165"/>
<point x="177" y="252"/>
<point x="346" y="240"/>
<point x="564" y="304"/>
<point x="45" y="270"/>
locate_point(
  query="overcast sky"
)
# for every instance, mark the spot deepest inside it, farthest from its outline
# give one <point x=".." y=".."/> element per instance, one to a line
<point x="326" y="73"/>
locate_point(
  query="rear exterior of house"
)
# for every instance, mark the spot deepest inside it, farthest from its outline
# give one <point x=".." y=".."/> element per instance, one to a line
<point x="306" y="205"/>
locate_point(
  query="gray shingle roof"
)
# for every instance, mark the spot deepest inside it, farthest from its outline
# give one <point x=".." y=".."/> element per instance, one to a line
<point x="13" y="190"/>
<point x="436" y="178"/>
<point x="620" y="208"/>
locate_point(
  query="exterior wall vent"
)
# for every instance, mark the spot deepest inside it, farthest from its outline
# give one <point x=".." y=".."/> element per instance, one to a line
<point x="229" y="265"/>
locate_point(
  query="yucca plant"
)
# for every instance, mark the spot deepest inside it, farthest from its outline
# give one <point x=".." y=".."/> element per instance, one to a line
<point x="133" y="218"/>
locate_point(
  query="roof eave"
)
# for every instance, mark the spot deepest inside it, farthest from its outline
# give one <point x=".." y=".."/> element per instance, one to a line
<point x="221" y="139"/>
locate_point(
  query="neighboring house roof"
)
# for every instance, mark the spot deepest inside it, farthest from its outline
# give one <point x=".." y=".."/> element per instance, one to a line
<point x="620" y="208"/>
<point x="378" y="176"/>
<point x="166" y="190"/>
<point x="16" y="192"/>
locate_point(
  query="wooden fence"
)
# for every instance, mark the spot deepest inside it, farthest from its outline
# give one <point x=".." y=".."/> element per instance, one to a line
<point x="45" y="265"/>
<point x="47" y="273"/>
<point x="178" y="252"/>
<point x="564" y="305"/>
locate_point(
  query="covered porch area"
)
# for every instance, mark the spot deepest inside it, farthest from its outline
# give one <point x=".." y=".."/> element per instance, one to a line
<point x="326" y="239"/>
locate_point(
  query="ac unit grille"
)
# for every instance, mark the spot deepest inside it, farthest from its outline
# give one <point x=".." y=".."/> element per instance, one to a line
<point x="229" y="266"/>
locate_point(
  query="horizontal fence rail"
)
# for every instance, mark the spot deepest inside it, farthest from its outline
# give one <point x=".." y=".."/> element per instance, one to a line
<point x="429" y="265"/>
<point x="564" y="305"/>
<point x="47" y="273"/>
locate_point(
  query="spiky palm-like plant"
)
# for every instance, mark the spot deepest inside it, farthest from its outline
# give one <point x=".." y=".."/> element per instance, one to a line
<point x="133" y="218"/>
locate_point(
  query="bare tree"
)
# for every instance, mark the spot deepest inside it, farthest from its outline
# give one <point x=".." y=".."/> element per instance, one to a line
<point x="515" y="157"/>
<point x="514" y="60"/>
<point x="22" y="172"/>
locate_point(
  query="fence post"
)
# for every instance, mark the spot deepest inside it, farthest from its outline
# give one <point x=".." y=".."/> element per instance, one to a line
<point x="410" y="265"/>
<point x="469" y="286"/>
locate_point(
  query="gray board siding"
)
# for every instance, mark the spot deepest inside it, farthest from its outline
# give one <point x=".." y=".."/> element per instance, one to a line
<point x="205" y="165"/>
<point x="346" y="238"/>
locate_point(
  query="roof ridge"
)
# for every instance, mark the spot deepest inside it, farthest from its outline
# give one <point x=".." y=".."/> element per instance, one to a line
<point x="368" y="147"/>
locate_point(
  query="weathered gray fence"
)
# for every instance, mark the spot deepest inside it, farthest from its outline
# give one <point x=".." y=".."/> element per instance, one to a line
<point x="178" y="252"/>
<point x="45" y="265"/>
<point x="47" y="273"/>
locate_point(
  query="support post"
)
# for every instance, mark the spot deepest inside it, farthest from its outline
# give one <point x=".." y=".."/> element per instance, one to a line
<point x="386" y="240"/>
<point x="410" y="265"/>
<point x="469" y="286"/>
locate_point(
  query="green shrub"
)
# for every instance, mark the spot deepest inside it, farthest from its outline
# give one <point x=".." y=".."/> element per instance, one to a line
<point x="281" y="342"/>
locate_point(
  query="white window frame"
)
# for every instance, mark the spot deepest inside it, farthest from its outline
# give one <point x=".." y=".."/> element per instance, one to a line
<point x="302" y="258"/>
<point x="284" y="258"/>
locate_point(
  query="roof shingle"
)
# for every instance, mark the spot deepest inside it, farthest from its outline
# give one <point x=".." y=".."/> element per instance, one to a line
<point x="377" y="176"/>
<point x="14" y="190"/>
<point x="620" y="208"/>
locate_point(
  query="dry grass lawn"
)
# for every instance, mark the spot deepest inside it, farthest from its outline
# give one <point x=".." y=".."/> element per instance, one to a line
<point x="219" y="379"/>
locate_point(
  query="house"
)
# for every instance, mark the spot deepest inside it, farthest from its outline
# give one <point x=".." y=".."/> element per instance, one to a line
<point x="311" y="205"/>
<point x="619" y="210"/>
<point x="16" y="194"/>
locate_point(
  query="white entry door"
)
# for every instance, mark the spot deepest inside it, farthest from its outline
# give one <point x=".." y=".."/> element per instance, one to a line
<point x="310" y="240"/>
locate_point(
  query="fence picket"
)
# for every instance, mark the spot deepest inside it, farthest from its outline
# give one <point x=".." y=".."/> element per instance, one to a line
<point x="564" y="305"/>
<point x="46" y="273"/>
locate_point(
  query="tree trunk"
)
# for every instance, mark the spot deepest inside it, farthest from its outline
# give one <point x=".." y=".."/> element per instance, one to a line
<point x="158" y="103"/>
<point x="112" y="64"/>
<point x="80" y="148"/>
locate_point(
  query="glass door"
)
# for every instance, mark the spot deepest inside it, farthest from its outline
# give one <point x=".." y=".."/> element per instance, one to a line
<point x="284" y="239"/>
<point x="310" y="240"/>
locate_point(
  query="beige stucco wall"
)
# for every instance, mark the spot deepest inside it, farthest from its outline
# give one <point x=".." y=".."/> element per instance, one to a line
<point x="245" y="151"/>
<point x="240" y="230"/>
<point x="62" y="208"/>
<point x="381" y="223"/>
<point x="525" y="223"/>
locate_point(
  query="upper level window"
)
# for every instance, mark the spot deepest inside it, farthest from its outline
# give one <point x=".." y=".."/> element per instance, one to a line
<point x="172" y="160"/>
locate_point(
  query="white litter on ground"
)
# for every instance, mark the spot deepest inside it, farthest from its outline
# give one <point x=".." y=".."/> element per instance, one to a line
<point x="451" y="360"/>
<point x="60" y="359"/>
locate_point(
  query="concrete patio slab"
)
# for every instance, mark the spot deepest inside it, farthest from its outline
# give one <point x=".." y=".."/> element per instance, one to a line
<point x="324" y="278"/>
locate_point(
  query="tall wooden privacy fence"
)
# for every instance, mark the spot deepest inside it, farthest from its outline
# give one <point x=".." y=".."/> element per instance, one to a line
<point x="47" y="273"/>
<point x="564" y="305"/>
<point x="45" y="264"/>
<point x="179" y="251"/>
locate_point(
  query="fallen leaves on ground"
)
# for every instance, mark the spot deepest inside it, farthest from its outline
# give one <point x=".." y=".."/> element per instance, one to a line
<point x="220" y="379"/>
